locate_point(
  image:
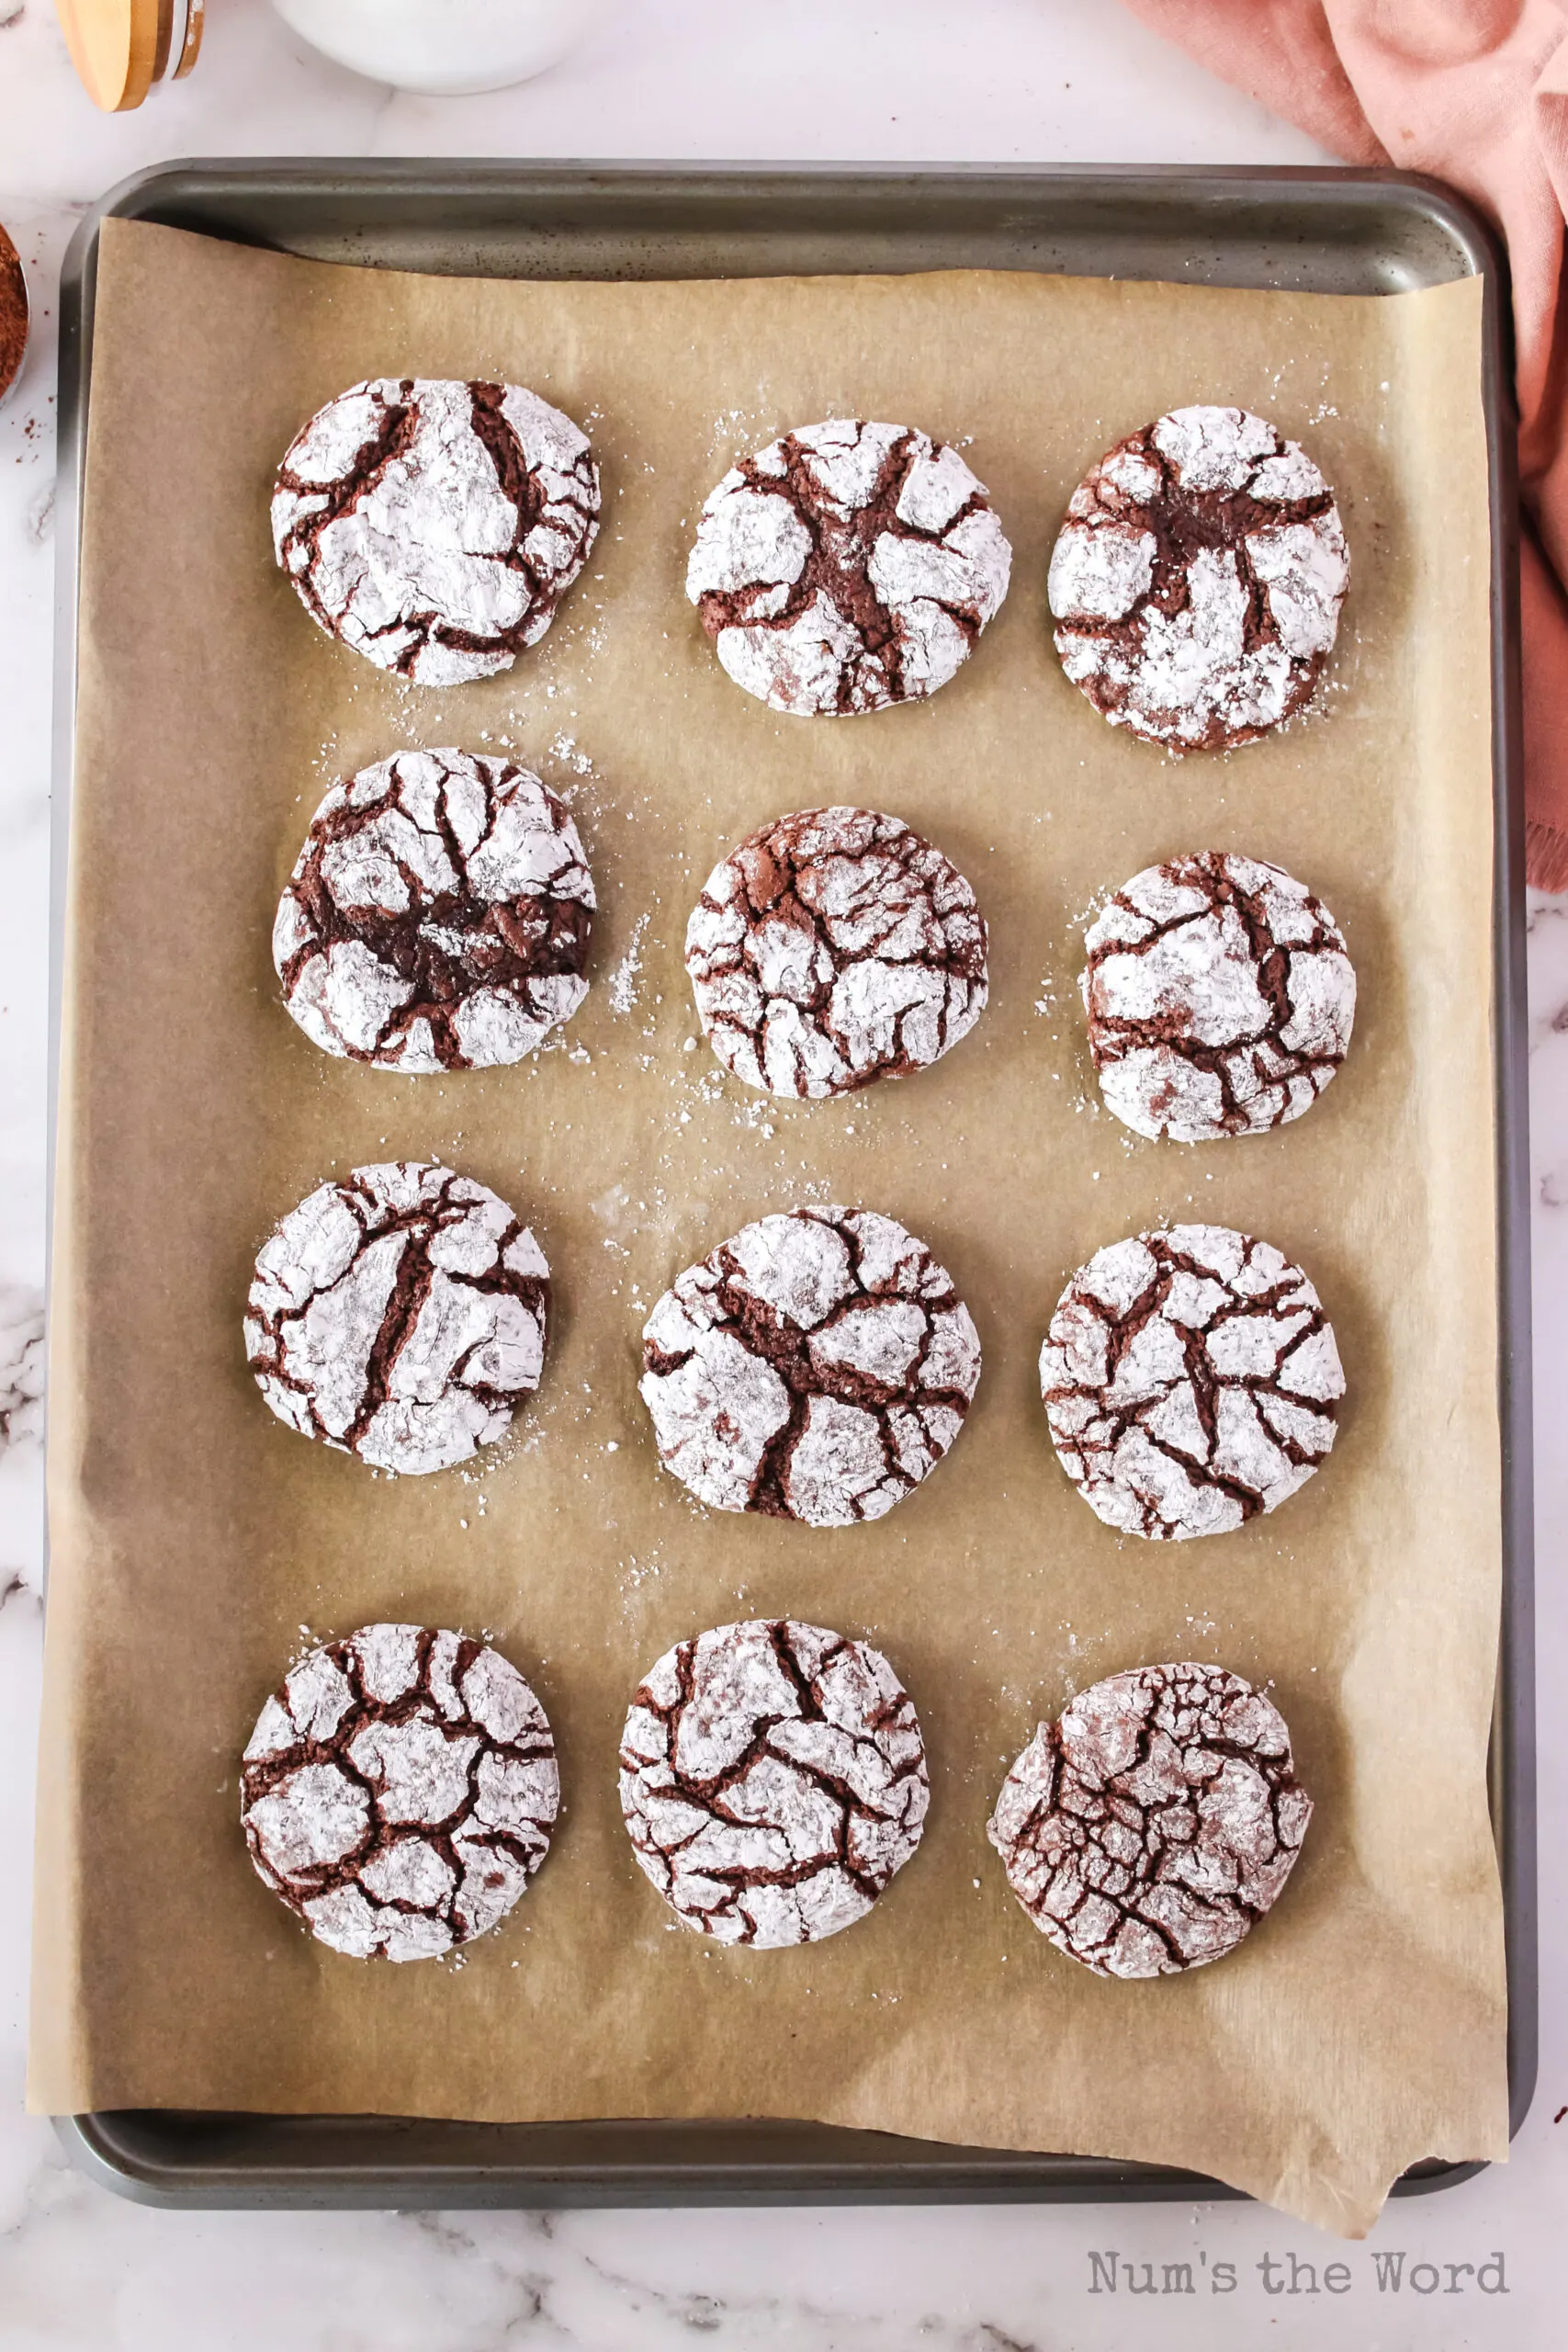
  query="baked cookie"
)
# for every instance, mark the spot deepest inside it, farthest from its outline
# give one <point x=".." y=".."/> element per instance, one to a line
<point x="436" y="526"/>
<point x="815" y="1367"/>
<point x="398" y="1790"/>
<point x="1220" y="996"/>
<point x="438" y="916"/>
<point x="1191" y="1381"/>
<point x="1198" y="579"/>
<point x="773" y="1779"/>
<point x="833" y="948"/>
<point x="399" y="1314"/>
<point x="1155" y="1823"/>
<point x="847" y="567"/>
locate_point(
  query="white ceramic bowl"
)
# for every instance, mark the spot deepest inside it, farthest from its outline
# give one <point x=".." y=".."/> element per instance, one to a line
<point x="446" y="48"/>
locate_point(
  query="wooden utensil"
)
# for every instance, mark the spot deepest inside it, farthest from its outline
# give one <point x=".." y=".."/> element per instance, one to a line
<point x="120" y="48"/>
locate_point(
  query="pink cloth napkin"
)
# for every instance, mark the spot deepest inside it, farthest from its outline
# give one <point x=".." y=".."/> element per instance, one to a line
<point x="1475" y="92"/>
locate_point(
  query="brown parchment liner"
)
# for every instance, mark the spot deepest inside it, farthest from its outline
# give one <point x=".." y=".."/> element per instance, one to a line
<point x="194" y="1537"/>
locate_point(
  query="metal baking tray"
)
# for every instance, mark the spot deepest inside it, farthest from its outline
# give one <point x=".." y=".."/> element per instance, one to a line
<point x="1321" y="232"/>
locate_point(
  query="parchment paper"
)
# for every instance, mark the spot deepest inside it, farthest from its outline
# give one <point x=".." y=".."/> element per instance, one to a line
<point x="196" y="1541"/>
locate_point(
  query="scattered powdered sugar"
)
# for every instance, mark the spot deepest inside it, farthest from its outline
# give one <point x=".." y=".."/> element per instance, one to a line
<point x="625" y="979"/>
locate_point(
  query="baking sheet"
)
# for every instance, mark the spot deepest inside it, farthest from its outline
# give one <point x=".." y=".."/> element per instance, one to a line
<point x="1363" y="2027"/>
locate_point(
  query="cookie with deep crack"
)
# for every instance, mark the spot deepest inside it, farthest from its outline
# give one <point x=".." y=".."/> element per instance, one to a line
<point x="1221" y="997"/>
<point x="438" y="916"/>
<point x="399" y="1314"/>
<point x="846" y="567"/>
<point x="1190" y="1380"/>
<point x="398" y="1790"/>
<point x="1151" y="1828"/>
<point x="833" y="948"/>
<point x="434" y="526"/>
<point x="1197" y="580"/>
<point x="815" y="1367"/>
<point x="773" y="1779"/>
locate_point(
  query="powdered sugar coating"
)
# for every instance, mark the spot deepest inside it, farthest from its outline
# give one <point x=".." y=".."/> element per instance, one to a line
<point x="433" y="525"/>
<point x="773" y="1779"/>
<point x="1148" y="1831"/>
<point x="847" y="567"/>
<point x="833" y="948"/>
<point x="1190" y="1380"/>
<point x="438" y="916"/>
<point x="815" y="1366"/>
<point x="400" y="1314"/>
<point x="1198" y="578"/>
<point x="400" y="1789"/>
<point x="1221" y="998"/>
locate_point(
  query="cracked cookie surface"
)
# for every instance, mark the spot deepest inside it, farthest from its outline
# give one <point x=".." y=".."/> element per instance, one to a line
<point x="815" y="1366"/>
<point x="1220" y="995"/>
<point x="773" y="1779"/>
<point x="399" y="1314"/>
<point x="833" y="948"/>
<point x="1149" y="1829"/>
<point x="433" y="525"/>
<point x="438" y="916"/>
<point x="1190" y="1380"/>
<point x="847" y="567"/>
<point x="1197" y="580"/>
<point x="398" y="1790"/>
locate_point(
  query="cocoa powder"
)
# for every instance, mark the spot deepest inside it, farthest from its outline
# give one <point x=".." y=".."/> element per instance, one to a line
<point x="13" y="313"/>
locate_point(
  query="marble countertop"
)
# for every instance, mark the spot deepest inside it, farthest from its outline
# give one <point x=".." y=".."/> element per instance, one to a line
<point x="924" y="80"/>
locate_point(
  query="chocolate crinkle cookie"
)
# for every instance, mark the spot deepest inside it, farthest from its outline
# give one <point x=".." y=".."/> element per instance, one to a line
<point x="833" y="948"/>
<point x="815" y="1367"/>
<point x="1220" y="996"/>
<point x="398" y="1792"/>
<point x="1152" y="1826"/>
<point x="1190" y="1380"/>
<point x="400" y="1314"/>
<point x="772" y="1778"/>
<point x="438" y="917"/>
<point x="436" y="526"/>
<point x="1198" y="579"/>
<point x="847" y="567"/>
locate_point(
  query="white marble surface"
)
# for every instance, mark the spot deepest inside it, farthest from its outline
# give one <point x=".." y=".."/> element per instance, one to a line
<point x="922" y="79"/>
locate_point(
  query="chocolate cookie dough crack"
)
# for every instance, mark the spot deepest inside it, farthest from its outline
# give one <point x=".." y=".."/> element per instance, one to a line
<point x="712" y="1790"/>
<point x="1221" y="998"/>
<point x="266" y="1775"/>
<point x="1191" y="1381"/>
<point x="1197" y="580"/>
<point x="438" y="917"/>
<point x="774" y="1369"/>
<point x="842" y="550"/>
<point x="832" y="948"/>
<point x="1149" y="1829"/>
<point x="329" y="502"/>
<point x="399" y="1314"/>
<point x="773" y="1779"/>
<point x="400" y="1789"/>
<point x="847" y="567"/>
<point x="433" y="525"/>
